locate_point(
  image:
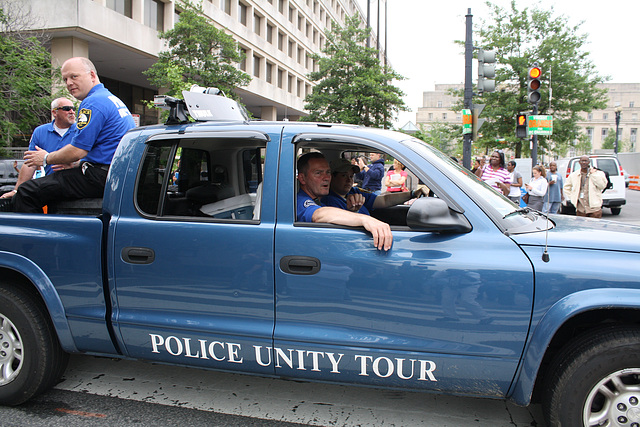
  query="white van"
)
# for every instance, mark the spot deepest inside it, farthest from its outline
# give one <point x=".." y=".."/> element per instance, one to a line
<point x="612" y="198"/>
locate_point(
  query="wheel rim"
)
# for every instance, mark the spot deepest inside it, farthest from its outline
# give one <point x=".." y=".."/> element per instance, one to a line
<point x="10" y="351"/>
<point x="615" y="400"/>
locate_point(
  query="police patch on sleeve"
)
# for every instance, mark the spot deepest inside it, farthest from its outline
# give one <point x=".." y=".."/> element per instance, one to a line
<point x="84" y="117"/>
<point x="309" y="202"/>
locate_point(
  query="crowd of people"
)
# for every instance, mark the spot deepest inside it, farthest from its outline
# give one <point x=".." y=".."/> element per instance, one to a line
<point x="547" y="189"/>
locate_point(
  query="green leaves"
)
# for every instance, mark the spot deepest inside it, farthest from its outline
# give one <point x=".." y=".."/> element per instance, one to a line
<point x="569" y="78"/>
<point x="25" y="81"/>
<point x="198" y="54"/>
<point x="352" y="86"/>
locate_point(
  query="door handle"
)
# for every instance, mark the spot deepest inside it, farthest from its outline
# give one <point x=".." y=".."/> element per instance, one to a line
<point x="303" y="265"/>
<point x="136" y="255"/>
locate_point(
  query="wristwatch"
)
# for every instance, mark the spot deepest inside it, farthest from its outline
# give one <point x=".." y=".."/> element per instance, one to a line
<point x="44" y="161"/>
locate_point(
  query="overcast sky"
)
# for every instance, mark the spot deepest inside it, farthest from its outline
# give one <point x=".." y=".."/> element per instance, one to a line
<point x="421" y="36"/>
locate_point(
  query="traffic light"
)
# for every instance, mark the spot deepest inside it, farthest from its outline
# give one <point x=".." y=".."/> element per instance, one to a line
<point x="486" y="70"/>
<point x="533" y="84"/>
<point x="522" y="125"/>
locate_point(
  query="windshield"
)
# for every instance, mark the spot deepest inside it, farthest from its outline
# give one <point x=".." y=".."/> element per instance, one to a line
<point x="509" y="216"/>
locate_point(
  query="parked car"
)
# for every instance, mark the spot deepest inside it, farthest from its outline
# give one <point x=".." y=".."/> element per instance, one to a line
<point x="612" y="198"/>
<point x="9" y="174"/>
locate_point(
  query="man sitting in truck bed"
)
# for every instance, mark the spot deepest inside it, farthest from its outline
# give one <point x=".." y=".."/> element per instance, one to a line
<point x="103" y="119"/>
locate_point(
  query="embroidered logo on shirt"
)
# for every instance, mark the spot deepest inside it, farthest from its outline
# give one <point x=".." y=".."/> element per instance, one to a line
<point x="84" y="117"/>
<point x="309" y="202"/>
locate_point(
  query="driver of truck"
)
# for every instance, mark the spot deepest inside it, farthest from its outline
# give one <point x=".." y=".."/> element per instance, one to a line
<point x="314" y="176"/>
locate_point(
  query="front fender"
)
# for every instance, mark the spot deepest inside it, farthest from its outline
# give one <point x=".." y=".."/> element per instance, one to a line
<point x="557" y="315"/>
<point x="33" y="273"/>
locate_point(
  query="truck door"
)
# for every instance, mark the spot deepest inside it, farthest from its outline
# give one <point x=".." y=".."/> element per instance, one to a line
<point x="192" y="253"/>
<point x="437" y="311"/>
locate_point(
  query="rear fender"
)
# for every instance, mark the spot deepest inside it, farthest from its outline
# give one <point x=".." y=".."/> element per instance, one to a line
<point x="31" y="272"/>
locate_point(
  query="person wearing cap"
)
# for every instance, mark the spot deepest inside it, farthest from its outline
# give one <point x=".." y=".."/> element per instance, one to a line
<point x="314" y="176"/>
<point x="344" y="195"/>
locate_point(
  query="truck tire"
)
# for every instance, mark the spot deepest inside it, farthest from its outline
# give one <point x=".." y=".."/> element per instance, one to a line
<point x="615" y="211"/>
<point x="595" y="380"/>
<point x="31" y="359"/>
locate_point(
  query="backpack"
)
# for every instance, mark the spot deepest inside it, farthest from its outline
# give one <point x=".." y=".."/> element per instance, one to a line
<point x="609" y="183"/>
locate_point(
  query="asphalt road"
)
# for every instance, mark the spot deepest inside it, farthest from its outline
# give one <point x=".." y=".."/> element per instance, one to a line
<point x="111" y="392"/>
<point x="99" y="392"/>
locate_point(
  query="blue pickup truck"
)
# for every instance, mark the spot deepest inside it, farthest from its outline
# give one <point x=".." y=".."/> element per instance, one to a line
<point x="195" y="258"/>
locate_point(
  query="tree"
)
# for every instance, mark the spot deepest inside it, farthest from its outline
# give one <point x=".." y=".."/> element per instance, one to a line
<point x="520" y="38"/>
<point x="353" y="87"/>
<point x="25" y="75"/>
<point x="443" y="137"/>
<point x="198" y="54"/>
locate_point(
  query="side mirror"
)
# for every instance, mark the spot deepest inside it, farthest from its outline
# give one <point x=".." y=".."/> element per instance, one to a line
<point x="433" y="214"/>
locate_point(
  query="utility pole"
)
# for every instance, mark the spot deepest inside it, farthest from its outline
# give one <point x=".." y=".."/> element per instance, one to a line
<point x="468" y="86"/>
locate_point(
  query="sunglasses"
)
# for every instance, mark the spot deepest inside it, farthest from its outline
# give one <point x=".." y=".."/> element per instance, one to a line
<point x="65" y="108"/>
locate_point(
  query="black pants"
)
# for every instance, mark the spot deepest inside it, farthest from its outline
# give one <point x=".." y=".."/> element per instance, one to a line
<point x="67" y="184"/>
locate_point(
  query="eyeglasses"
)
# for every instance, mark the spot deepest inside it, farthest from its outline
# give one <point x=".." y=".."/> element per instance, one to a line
<point x="65" y="108"/>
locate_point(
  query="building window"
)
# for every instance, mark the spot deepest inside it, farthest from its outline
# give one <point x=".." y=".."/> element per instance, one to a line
<point x="154" y="14"/>
<point x="290" y="84"/>
<point x="300" y="55"/>
<point x="590" y="116"/>
<point x="256" y="66"/>
<point x="633" y="136"/>
<point x="631" y="104"/>
<point x="634" y="117"/>
<point x="243" y="63"/>
<point x="604" y="134"/>
<point x="242" y="13"/>
<point x="280" y="78"/>
<point x="269" y="72"/>
<point x="299" y="89"/>
<point x="291" y="49"/>
<point x="605" y="116"/>
<point x="123" y="7"/>
<point x="257" y="24"/>
<point x="281" y="6"/>
<point x="439" y="104"/>
<point x="281" y="41"/>
<point x="590" y="134"/>
<point x="292" y="14"/>
<point x="225" y="5"/>
<point x="269" y="33"/>
<point x="444" y="116"/>
<point x="430" y="116"/>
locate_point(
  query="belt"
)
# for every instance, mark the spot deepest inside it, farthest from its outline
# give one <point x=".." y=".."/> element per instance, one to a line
<point x="85" y="165"/>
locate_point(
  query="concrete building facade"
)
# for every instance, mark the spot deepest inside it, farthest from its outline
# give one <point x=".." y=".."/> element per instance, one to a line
<point x="121" y="38"/>
<point x="437" y="106"/>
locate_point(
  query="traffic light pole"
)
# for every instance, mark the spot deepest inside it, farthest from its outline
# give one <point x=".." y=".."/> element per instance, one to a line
<point x="468" y="86"/>
<point x="534" y="142"/>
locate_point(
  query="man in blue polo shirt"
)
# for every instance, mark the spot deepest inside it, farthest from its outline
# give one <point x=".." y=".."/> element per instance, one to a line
<point x="103" y="119"/>
<point x="50" y="137"/>
<point x="314" y="176"/>
<point x="344" y="195"/>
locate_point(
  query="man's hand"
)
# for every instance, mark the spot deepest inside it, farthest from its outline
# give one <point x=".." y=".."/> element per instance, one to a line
<point x="35" y="158"/>
<point x="8" y="195"/>
<point x="355" y="202"/>
<point x="381" y="232"/>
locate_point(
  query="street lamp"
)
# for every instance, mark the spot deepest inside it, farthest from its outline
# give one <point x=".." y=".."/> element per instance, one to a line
<point x="618" y="110"/>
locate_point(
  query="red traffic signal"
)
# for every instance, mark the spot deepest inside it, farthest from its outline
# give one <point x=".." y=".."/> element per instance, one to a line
<point x="533" y="85"/>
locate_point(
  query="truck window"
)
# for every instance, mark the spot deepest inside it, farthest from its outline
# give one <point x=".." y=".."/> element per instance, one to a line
<point x="201" y="179"/>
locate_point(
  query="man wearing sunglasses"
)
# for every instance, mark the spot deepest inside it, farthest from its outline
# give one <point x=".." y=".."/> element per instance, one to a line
<point x="49" y="137"/>
<point x="103" y="119"/>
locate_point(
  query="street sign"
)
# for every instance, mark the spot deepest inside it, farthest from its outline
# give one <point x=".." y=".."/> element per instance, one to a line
<point x="540" y="125"/>
<point x="467" y="121"/>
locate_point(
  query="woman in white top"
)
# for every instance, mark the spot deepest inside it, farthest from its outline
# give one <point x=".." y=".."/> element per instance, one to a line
<point x="537" y="187"/>
<point x="516" y="183"/>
